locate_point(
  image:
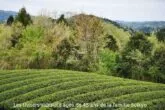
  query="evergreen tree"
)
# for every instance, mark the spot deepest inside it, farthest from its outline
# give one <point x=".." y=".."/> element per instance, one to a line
<point x="161" y="35"/>
<point x="62" y="19"/>
<point x="23" y="17"/>
<point x="10" y="20"/>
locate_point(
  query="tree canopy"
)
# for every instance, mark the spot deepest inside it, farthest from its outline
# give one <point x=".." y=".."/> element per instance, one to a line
<point x="10" y="20"/>
<point x="23" y="17"/>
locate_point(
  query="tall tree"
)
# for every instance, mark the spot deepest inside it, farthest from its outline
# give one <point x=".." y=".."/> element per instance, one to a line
<point x="89" y="31"/>
<point x="135" y="57"/>
<point x="23" y="17"/>
<point x="62" y="19"/>
<point x="158" y="61"/>
<point x="10" y="20"/>
<point x="161" y="35"/>
<point x="111" y="43"/>
<point x="140" y="42"/>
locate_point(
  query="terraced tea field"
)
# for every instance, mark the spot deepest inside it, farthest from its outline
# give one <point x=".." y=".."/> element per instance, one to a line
<point x="37" y="89"/>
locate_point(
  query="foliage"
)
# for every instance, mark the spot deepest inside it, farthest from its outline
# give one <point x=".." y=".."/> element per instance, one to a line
<point x="5" y="37"/>
<point x="134" y="60"/>
<point x="140" y="42"/>
<point x="63" y="52"/>
<point x="62" y="19"/>
<point x="17" y="29"/>
<point x="23" y="17"/>
<point x="111" y="43"/>
<point x="90" y="39"/>
<point x="158" y="64"/>
<point x="108" y="62"/>
<point x="10" y="20"/>
<point x="161" y="34"/>
<point x="132" y="65"/>
<point x="121" y="36"/>
<point x="32" y="34"/>
<point x="81" y="42"/>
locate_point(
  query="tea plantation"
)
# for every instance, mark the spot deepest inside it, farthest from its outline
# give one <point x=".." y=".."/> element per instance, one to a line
<point x="62" y="89"/>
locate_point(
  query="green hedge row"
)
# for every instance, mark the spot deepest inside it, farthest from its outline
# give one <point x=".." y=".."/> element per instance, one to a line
<point x="135" y="97"/>
<point x="29" y="75"/>
<point x="79" y="90"/>
<point x="17" y="73"/>
<point x="12" y="74"/>
<point x="45" y="83"/>
<point x="54" y="86"/>
<point x="21" y="78"/>
<point x="52" y="89"/>
<point x="155" y="104"/>
<point x="111" y="92"/>
<point x="130" y="98"/>
<point x="16" y="84"/>
<point x="35" y="79"/>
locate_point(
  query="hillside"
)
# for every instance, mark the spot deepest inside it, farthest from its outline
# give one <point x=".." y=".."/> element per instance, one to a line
<point x="71" y="87"/>
<point x="146" y="27"/>
<point x="122" y="36"/>
<point x="5" y="14"/>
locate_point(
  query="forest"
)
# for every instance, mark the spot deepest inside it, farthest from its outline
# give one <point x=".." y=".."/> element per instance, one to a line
<point x="82" y="43"/>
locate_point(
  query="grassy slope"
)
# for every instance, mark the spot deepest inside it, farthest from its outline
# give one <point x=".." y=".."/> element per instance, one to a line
<point x="121" y="36"/>
<point x="51" y="86"/>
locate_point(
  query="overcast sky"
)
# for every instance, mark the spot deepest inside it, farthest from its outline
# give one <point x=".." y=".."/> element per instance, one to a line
<point x="127" y="10"/>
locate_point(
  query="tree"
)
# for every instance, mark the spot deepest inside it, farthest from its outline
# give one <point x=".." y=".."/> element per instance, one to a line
<point x="140" y="42"/>
<point x="17" y="29"/>
<point x="90" y="35"/>
<point x="133" y="65"/>
<point x="161" y="35"/>
<point x="111" y="43"/>
<point x="62" y="19"/>
<point x="23" y="17"/>
<point x="158" y="61"/>
<point x="63" y="51"/>
<point x="134" y="60"/>
<point x="10" y="20"/>
<point x="108" y="62"/>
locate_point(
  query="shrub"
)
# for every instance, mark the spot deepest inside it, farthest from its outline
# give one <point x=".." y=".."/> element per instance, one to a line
<point x="108" y="62"/>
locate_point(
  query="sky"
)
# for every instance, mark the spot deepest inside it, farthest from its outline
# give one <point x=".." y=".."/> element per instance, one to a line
<point x="125" y="10"/>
